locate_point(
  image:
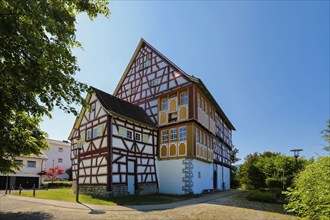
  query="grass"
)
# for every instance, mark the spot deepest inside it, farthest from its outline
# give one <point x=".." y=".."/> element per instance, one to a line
<point x="68" y="195"/>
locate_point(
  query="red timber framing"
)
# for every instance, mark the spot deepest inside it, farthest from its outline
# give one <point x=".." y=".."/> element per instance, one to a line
<point x="113" y="148"/>
<point x="134" y="150"/>
<point x="92" y="134"/>
<point x="148" y="76"/>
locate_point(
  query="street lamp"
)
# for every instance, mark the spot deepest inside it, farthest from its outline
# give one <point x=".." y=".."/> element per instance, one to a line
<point x="296" y="152"/>
<point x="79" y="147"/>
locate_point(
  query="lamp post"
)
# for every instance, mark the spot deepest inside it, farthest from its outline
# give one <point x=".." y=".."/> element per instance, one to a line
<point x="79" y="147"/>
<point x="296" y="152"/>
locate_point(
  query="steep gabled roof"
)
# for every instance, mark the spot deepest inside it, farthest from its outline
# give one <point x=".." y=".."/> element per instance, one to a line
<point x="198" y="82"/>
<point x="120" y="107"/>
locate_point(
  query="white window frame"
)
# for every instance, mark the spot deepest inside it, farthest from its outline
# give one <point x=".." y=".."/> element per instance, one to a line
<point x="173" y="134"/>
<point x="183" y="133"/>
<point x="31" y="161"/>
<point x="164" y="133"/>
<point x="164" y="102"/>
<point x="95" y="132"/>
<point x="137" y="136"/>
<point x="184" y="98"/>
<point x="129" y="134"/>
<point x="89" y="134"/>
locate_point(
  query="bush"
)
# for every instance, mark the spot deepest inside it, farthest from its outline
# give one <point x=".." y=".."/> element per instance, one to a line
<point x="58" y="185"/>
<point x="310" y="197"/>
<point x="261" y="196"/>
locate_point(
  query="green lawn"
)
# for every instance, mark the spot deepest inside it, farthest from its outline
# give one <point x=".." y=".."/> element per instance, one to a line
<point x="68" y="195"/>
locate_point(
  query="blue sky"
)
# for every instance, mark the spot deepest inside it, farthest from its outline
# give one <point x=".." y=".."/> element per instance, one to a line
<point x="266" y="63"/>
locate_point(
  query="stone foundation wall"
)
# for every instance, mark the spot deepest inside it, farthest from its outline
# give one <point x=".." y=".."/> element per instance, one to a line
<point x="91" y="189"/>
<point x="119" y="190"/>
<point x="147" y="188"/>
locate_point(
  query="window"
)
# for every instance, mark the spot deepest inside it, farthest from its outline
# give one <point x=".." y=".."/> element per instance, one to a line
<point x="129" y="134"/>
<point x="182" y="133"/>
<point x="172" y="117"/>
<point x="60" y="160"/>
<point x="93" y="106"/>
<point x="19" y="162"/>
<point x="164" y="136"/>
<point x="197" y="135"/>
<point x="31" y="164"/>
<point x="173" y="134"/>
<point x="89" y="134"/>
<point x="202" y="103"/>
<point x="60" y="149"/>
<point x="95" y="132"/>
<point x="183" y="98"/>
<point x="164" y="104"/>
<point x="198" y="100"/>
<point x="137" y="136"/>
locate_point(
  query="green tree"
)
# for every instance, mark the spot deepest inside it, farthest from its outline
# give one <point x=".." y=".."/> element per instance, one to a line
<point x="234" y="182"/>
<point x="310" y="197"/>
<point x="249" y="175"/>
<point x="37" y="69"/>
<point x="326" y="135"/>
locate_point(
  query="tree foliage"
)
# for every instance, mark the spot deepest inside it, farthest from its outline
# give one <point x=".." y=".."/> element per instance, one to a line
<point x="234" y="183"/>
<point x="53" y="172"/>
<point x="326" y="135"/>
<point x="37" y="69"/>
<point x="310" y="197"/>
<point x="271" y="170"/>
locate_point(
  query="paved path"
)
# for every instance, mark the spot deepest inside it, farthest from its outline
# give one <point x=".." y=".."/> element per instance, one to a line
<point x="212" y="206"/>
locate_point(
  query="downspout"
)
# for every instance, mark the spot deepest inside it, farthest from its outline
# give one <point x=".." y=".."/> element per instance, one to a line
<point x="109" y="178"/>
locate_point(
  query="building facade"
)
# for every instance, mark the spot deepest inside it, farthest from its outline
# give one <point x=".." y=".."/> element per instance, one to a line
<point x="27" y="176"/>
<point x="193" y="134"/>
<point x="58" y="155"/>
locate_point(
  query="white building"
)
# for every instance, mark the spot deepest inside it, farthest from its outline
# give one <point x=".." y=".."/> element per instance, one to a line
<point x="58" y="155"/>
<point x="27" y="175"/>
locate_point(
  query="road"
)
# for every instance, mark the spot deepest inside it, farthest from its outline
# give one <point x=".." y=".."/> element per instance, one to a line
<point x="223" y="205"/>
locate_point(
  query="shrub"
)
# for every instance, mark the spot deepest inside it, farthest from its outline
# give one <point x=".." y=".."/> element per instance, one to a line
<point x="310" y="197"/>
<point x="59" y="185"/>
<point x="261" y="196"/>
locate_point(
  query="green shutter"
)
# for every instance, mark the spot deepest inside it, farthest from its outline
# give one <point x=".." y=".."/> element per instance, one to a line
<point x="122" y="131"/>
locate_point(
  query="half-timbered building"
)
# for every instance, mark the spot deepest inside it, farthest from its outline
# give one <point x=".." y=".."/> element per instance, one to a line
<point x="189" y="135"/>
<point x="114" y="147"/>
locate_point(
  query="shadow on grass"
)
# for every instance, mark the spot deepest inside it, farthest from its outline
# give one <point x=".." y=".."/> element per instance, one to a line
<point x="93" y="211"/>
<point x="26" y="215"/>
<point x="239" y="200"/>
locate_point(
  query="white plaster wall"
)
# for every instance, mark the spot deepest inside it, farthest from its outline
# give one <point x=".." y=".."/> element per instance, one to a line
<point x="226" y="177"/>
<point x="53" y="155"/>
<point x="206" y="174"/>
<point x="29" y="171"/>
<point x="170" y="176"/>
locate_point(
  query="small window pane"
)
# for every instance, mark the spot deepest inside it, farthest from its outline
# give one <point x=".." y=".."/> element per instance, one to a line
<point x="164" y="104"/>
<point x="173" y="134"/>
<point x="89" y="134"/>
<point x="31" y="164"/>
<point x="60" y="160"/>
<point x="183" y="98"/>
<point x="137" y="136"/>
<point x="60" y="149"/>
<point x="183" y="133"/>
<point x="164" y="136"/>
<point x="129" y="134"/>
